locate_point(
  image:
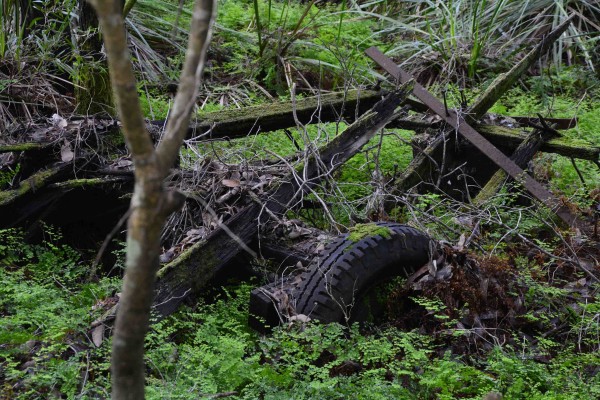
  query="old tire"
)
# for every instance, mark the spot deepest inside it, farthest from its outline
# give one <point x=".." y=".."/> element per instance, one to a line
<point x="331" y="291"/>
<point x="337" y="283"/>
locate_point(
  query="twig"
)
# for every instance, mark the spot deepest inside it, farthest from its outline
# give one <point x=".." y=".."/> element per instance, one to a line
<point x="228" y="231"/>
<point x="578" y="172"/>
<point x="106" y="242"/>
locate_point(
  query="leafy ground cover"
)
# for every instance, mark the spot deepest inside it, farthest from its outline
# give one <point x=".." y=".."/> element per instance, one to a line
<point x="420" y="353"/>
<point x="517" y="317"/>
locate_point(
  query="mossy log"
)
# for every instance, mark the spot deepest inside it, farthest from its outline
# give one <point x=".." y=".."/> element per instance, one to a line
<point x="329" y="107"/>
<point x="89" y="182"/>
<point x="511" y="138"/>
<point x="29" y="146"/>
<point x="188" y="273"/>
<point x="31" y="184"/>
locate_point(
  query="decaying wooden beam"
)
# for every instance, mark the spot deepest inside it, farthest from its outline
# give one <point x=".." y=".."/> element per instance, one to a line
<point x="31" y="184"/>
<point x="458" y="122"/>
<point x="508" y="137"/>
<point x="330" y="107"/>
<point x="89" y="182"/>
<point x="521" y="157"/>
<point x="29" y="146"/>
<point x="188" y="273"/>
<point x="511" y="138"/>
<point x="273" y="116"/>
<point x="559" y="123"/>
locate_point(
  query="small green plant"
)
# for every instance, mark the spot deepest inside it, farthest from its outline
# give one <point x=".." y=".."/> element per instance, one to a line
<point x="46" y="311"/>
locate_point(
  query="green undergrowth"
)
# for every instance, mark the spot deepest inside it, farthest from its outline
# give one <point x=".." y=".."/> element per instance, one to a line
<point x="46" y="349"/>
<point x="570" y="93"/>
<point x="211" y="350"/>
<point x="46" y="309"/>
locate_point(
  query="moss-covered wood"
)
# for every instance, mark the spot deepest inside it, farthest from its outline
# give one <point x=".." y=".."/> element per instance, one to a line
<point x="329" y="107"/>
<point x="31" y="184"/>
<point x="522" y="155"/>
<point x="188" y="273"/>
<point x="91" y="80"/>
<point x="511" y="138"/>
<point x="89" y="182"/>
<point x="30" y="146"/>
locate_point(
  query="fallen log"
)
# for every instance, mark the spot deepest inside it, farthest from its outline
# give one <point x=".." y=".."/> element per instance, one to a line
<point x="26" y="146"/>
<point x="511" y="138"/>
<point x="188" y="273"/>
<point x="330" y="107"/>
<point x="86" y="183"/>
<point x="33" y="183"/>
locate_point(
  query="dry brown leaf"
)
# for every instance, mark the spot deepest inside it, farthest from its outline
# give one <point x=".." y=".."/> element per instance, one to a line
<point x="232" y="183"/>
<point x="98" y="335"/>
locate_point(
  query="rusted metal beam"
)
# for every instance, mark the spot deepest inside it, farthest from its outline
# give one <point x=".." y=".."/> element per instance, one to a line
<point x="458" y="122"/>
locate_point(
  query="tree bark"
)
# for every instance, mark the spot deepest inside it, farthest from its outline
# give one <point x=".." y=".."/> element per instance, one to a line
<point x="91" y="82"/>
<point x="151" y="203"/>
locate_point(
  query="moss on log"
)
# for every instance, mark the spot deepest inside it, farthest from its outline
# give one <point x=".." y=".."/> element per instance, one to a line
<point x="508" y="137"/>
<point x="31" y="184"/>
<point x="32" y="146"/>
<point x="90" y="182"/>
<point x="329" y="107"/>
<point x="522" y="155"/>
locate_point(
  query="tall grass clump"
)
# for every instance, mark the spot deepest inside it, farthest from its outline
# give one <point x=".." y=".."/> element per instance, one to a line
<point x="462" y="39"/>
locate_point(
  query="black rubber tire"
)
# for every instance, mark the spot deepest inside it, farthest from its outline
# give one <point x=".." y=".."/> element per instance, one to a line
<point x="337" y="281"/>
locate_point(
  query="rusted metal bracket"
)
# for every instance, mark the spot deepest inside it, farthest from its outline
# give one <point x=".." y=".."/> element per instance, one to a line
<point x="458" y="122"/>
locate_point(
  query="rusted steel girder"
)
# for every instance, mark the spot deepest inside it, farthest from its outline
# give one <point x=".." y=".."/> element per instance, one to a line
<point x="458" y="122"/>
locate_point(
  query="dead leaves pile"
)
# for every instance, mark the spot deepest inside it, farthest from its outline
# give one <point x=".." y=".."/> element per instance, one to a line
<point x="485" y="301"/>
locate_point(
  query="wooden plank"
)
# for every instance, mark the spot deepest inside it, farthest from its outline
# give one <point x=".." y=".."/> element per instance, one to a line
<point x="329" y="107"/>
<point x="521" y="157"/>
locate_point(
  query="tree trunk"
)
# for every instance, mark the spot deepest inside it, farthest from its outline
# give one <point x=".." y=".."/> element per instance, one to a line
<point x="151" y="203"/>
<point x="91" y="81"/>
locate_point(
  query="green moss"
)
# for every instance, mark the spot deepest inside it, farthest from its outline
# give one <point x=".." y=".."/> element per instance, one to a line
<point x="361" y="231"/>
<point x="32" y="183"/>
<point x="93" y="91"/>
<point x="23" y="147"/>
<point x="206" y="257"/>
<point x="77" y="183"/>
